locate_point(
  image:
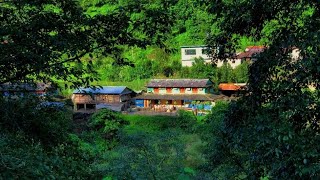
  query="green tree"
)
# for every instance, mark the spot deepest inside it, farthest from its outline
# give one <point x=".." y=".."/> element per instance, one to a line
<point x="107" y="122"/>
<point x="273" y="131"/>
<point x="201" y="69"/>
<point x="225" y="73"/>
<point x="43" y="39"/>
<point x="241" y="72"/>
<point x="35" y="142"/>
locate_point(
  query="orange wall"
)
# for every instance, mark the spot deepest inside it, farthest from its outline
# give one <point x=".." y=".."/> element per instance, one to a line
<point x="194" y="90"/>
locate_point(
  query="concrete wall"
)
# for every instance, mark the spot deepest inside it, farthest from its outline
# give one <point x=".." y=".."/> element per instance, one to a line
<point x="187" y="60"/>
<point x="233" y="63"/>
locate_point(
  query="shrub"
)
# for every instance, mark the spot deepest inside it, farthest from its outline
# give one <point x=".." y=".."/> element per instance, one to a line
<point x="107" y="122"/>
<point x="49" y="125"/>
<point x="186" y="120"/>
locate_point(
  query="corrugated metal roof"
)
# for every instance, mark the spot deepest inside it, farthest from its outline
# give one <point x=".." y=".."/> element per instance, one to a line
<point x="175" y="83"/>
<point x="104" y="90"/>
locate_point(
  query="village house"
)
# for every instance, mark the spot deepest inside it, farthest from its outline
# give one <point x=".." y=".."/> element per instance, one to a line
<point x="169" y="94"/>
<point x="15" y="90"/>
<point x="250" y="54"/>
<point x="189" y="53"/>
<point x="231" y="89"/>
<point x="117" y="98"/>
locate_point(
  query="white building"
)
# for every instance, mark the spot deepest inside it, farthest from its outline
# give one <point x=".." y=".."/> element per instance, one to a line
<point x="189" y="53"/>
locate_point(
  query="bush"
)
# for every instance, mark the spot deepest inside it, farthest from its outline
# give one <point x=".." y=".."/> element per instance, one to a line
<point x="186" y="120"/>
<point x="107" y="122"/>
<point x="35" y="142"/>
<point x="49" y="125"/>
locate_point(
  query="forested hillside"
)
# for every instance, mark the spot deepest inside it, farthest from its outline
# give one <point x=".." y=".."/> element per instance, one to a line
<point x="192" y="24"/>
<point x="270" y="132"/>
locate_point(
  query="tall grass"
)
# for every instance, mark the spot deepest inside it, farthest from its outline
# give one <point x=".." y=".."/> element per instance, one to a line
<point x="149" y="123"/>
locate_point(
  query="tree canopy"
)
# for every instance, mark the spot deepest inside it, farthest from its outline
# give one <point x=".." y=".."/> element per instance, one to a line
<point x="41" y="39"/>
<point x="271" y="132"/>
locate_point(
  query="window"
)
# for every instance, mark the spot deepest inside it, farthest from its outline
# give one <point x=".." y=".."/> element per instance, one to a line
<point x="162" y="90"/>
<point x="149" y="90"/>
<point x="190" y="52"/>
<point x="188" y="89"/>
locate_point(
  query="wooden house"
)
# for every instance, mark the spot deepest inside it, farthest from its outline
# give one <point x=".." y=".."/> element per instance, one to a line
<point x="117" y="98"/>
<point x="176" y="93"/>
<point x="22" y="89"/>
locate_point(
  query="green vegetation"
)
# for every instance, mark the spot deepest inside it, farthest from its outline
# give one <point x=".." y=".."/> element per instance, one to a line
<point x="35" y="142"/>
<point x="272" y="132"/>
<point x="150" y="147"/>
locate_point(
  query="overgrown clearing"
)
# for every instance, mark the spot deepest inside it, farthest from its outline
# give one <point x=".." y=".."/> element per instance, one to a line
<point x="150" y="146"/>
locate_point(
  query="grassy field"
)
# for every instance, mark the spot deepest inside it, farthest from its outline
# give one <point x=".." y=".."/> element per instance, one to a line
<point x="149" y="123"/>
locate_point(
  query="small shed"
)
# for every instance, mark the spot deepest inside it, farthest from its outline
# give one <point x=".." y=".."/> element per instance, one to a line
<point x="231" y="88"/>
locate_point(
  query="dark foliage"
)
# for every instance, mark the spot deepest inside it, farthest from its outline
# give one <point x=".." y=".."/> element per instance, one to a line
<point x="273" y="131"/>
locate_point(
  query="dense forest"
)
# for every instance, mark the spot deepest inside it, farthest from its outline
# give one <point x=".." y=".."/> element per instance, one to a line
<point x="271" y="132"/>
<point x="191" y="24"/>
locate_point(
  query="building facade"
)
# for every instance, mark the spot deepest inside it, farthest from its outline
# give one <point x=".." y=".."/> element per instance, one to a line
<point x="172" y="93"/>
<point x="189" y="53"/>
<point x="116" y="98"/>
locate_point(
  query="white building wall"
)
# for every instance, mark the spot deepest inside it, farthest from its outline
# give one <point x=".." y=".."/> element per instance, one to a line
<point x="219" y="63"/>
<point x="187" y="60"/>
<point x="201" y="91"/>
<point x="162" y="90"/>
<point x="188" y="91"/>
<point x="234" y="63"/>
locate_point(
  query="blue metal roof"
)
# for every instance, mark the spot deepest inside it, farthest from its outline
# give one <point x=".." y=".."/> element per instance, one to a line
<point x="103" y="90"/>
